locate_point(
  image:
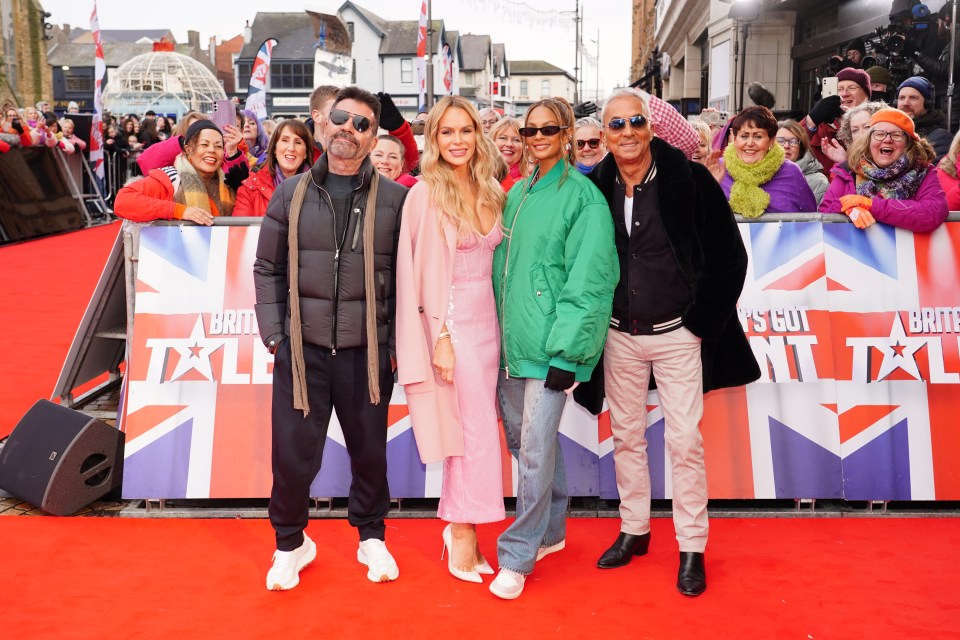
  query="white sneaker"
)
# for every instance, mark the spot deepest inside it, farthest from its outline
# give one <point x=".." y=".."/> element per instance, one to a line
<point x="285" y="572"/>
<point x="543" y="552"/>
<point x="381" y="565"/>
<point x="507" y="585"/>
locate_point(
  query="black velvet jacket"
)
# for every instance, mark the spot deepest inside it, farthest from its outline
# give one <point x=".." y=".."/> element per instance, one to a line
<point x="710" y="254"/>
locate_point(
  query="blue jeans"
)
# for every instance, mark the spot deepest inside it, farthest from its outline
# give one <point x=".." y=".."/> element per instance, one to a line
<point x="531" y="422"/>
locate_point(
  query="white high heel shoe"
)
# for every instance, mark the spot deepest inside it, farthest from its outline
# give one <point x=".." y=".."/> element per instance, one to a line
<point x="466" y="576"/>
<point x="484" y="568"/>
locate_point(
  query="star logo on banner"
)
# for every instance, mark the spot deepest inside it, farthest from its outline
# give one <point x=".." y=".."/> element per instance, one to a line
<point x="195" y="352"/>
<point x="898" y="351"/>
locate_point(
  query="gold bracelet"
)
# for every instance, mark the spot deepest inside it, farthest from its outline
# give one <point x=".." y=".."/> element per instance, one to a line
<point x="445" y="334"/>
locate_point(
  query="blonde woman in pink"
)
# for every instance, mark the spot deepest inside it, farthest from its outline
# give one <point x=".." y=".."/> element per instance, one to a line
<point x="447" y="332"/>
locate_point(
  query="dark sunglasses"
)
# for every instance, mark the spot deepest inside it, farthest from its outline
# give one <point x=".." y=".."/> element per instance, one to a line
<point x="549" y="130"/>
<point x="593" y="143"/>
<point x="360" y="123"/>
<point x="637" y="121"/>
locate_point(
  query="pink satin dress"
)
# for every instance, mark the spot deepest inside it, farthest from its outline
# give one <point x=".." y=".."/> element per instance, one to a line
<point x="472" y="490"/>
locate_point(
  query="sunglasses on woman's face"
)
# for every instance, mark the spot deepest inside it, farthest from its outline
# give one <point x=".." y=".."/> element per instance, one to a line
<point x="617" y="124"/>
<point x="593" y="143"/>
<point x="360" y="123"/>
<point x="549" y="130"/>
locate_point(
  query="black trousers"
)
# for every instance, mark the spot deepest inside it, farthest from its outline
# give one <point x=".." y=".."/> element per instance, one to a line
<point x="333" y="382"/>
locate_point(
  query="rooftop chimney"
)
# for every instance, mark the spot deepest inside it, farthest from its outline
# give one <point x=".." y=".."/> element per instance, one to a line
<point x="247" y="33"/>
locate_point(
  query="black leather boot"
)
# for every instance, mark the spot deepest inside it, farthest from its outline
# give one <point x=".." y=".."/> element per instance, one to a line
<point x="622" y="551"/>
<point x="692" y="577"/>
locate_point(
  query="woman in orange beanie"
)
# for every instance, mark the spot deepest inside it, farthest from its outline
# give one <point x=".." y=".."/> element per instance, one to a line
<point x="888" y="177"/>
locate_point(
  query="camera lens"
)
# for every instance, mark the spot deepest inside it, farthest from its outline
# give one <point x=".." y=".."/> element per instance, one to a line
<point x="896" y="43"/>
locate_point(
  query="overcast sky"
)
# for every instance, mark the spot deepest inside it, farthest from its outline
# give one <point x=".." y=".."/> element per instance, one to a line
<point x="535" y="29"/>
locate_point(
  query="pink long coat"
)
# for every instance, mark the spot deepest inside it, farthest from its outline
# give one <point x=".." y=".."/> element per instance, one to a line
<point x="425" y="261"/>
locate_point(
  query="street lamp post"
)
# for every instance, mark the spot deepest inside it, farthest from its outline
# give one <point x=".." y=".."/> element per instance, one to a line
<point x="429" y="54"/>
<point x="743" y="12"/>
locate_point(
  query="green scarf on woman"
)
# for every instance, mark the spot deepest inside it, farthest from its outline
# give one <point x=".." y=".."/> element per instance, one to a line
<point x="746" y="196"/>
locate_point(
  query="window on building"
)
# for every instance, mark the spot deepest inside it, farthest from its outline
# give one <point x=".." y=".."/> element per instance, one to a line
<point x="503" y="89"/>
<point x="350" y="30"/>
<point x="243" y="75"/>
<point x="291" y="75"/>
<point x="77" y="83"/>
<point x="818" y="23"/>
<point x="353" y="72"/>
<point x="545" y="89"/>
<point x="523" y="88"/>
<point x="406" y="70"/>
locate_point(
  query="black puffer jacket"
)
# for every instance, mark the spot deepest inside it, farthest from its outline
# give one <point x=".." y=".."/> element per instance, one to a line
<point x="932" y="126"/>
<point x="332" y="293"/>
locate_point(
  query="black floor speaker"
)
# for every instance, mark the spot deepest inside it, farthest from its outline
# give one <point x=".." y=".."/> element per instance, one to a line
<point x="61" y="460"/>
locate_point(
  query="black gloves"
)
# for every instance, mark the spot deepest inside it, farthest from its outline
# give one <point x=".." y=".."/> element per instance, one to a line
<point x="390" y="118"/>
<point x="559" y="380"/>
<point x="17" y="126"/>
<point x="584" y="109"/>
<point x="236" y="175"/>
<point x="826" y="110"/>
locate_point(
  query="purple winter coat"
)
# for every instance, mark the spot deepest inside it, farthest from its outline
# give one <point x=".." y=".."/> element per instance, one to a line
<point x="925" y="212"/>
<point x="788" y="189"/>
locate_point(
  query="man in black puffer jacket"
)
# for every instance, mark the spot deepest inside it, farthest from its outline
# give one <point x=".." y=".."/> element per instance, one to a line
<point x="329" y="321"/>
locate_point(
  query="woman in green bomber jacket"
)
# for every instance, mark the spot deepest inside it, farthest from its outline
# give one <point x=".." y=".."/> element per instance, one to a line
<point x="553" y="279"/>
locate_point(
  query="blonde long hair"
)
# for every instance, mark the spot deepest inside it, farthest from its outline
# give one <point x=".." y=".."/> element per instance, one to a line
<point x="446" y="190"/>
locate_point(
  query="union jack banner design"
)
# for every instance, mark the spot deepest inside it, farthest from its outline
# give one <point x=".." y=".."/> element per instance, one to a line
<point x="857" y="334"/>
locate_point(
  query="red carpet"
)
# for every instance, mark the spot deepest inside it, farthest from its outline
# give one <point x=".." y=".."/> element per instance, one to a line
<point x="47" y="284"/>
<point x="771" y="578"/>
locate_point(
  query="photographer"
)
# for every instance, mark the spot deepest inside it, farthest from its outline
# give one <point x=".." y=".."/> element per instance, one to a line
<point x="935" y="60"/>
<point x="852" y="58"/>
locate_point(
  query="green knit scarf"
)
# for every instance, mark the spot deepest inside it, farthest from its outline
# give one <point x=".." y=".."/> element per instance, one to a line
<point x="746" y="196"/>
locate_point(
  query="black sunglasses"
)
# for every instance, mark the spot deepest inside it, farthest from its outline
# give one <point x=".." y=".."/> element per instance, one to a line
<point x="593" y="143"/>
<point x="636" y="122"/>
<point x="549" y="130"/>
<point x="360" y="123"/>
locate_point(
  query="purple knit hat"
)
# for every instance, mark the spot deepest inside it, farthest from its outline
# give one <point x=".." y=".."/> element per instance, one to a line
<point x="859" y="76"/>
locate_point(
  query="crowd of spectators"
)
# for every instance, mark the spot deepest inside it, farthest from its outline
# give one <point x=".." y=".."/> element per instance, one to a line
<point x="850" y="154"/>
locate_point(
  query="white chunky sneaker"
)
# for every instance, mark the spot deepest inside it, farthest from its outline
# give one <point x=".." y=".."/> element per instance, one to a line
<point x="381" y="567"/>
<point x="285" y="572"/>
<point x="507" y="585"/>
<point x="543" y="552"/>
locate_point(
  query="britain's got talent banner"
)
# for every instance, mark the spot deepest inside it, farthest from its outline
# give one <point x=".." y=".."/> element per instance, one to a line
<point x="856" y="331"/>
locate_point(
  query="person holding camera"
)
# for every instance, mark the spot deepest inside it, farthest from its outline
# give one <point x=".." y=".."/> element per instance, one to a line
<point x="934" y="60"/>
<point x="915" y="98"/>
<point x="823" y="121"/>
<point x="852" y="58"/>
<point x="13" y="124"/>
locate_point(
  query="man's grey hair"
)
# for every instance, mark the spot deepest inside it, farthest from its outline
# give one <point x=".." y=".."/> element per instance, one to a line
<point x="621" y="92"/>
<point x="489" y="110"/>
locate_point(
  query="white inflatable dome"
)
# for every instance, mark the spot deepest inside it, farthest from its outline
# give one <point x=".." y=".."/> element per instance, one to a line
<point x="164" y="81"/>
